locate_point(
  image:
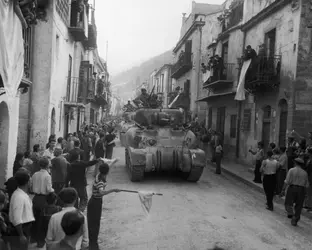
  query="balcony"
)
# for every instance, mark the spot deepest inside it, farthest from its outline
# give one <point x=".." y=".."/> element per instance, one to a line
<point x="263" y="74"/>
<point x="182" y="66"/>
<point x="221" y="78"/>
<point x="74" y="93"/>
<point x="76" y="27"/>
<point x="91" y="42"/>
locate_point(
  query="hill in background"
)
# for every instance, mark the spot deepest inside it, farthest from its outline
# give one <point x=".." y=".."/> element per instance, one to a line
<point x="126" y="82"/>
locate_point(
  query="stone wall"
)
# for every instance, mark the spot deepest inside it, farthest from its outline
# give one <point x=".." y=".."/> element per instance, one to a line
<point x="23" y="123"/>
<point x="9" y="115"/>
<point x="302" y="116"/>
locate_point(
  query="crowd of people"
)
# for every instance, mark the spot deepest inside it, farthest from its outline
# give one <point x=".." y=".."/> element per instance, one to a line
<point x="286" y="171"/>
<point x="44" y="201"/>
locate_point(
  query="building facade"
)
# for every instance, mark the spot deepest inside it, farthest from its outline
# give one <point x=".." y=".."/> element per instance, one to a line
<point x="163" y="84"/>
<point x="197" y="32"/>
<point x="276" y="97"/>
<point x="17" y="22"/>
<point x="66" y="86"/>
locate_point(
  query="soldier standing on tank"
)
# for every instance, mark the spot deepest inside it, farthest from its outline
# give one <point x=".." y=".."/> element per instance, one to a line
<point x="128" y="107"/>
<point x="142" y="99"/>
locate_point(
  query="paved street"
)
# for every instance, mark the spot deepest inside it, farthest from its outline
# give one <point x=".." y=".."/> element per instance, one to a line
<point x="195" y="216"/>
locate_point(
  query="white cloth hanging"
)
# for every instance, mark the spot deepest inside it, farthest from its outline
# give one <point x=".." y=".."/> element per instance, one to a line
<point x="11" y="48"/>
<point x="240" y="92"/>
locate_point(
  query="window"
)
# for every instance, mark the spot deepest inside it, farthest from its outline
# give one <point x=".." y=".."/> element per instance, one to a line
<point x="162" y="79"/>
<point x="27" y="36"/>
<point x="270" y="43"/>
<point x="236" y="15"/>
<point x="247" y="120"/>
<point x="210" y="118"/>
<point x="225" y="52"/>
<point x="233" y="126"/>
<point x="220" y="120"/>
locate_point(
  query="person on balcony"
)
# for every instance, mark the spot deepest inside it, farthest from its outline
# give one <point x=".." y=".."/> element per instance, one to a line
<point x="250" y="53"/>
<point x="217" y="66"/>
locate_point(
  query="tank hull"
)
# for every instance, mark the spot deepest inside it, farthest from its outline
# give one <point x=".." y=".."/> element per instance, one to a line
<point x="174" y="150"/>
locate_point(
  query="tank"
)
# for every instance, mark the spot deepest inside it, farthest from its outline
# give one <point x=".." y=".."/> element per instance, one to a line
<point x="159" y="143"/>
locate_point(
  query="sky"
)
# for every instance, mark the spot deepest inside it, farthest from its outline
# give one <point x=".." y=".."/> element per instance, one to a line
<point x="137" y="30"/>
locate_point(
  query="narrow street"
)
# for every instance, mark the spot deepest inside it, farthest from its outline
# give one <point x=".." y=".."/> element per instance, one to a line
<point x="194" y="216"/>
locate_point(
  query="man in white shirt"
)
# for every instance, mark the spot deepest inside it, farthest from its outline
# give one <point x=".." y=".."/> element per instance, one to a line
<point x="41" y="187"/>
<point x="55" y="230"/>
<point x="49" y="152"/>
<point x="21" y="212"/>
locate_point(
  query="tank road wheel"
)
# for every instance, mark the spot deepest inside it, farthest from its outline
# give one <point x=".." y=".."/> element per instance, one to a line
<point x="136" y="173"/>
<point x="195" y="173"/>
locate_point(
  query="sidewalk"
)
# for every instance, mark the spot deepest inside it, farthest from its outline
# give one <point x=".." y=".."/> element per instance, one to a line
<point x="245" y="174"/>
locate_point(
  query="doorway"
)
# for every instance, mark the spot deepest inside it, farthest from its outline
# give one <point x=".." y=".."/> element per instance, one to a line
<point x="53" y="122"/>
<point x="283" y="107"/>
<point x="266" y="127"/>
<point x="220" y="121"/>
<point x="4" y="141"/>
<point x="66" y="121"/>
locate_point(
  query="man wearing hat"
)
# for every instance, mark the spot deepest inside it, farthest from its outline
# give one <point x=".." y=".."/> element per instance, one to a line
<point x="296" y="183"/>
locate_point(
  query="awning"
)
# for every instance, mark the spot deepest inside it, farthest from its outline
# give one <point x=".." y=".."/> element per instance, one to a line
<point x="205" y="99"/>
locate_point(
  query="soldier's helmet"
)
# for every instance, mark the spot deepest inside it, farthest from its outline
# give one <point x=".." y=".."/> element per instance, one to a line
<point x="143" y="90"/>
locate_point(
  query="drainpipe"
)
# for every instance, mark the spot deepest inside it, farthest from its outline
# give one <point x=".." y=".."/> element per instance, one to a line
<point x="199" y="60"/>
<point x="30" y="93"/>
<point x="239" y="114"/>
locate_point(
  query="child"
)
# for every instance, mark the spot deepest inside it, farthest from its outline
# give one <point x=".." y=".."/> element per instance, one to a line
<point x="50" y="209"/>
<point x="94" y="211"/>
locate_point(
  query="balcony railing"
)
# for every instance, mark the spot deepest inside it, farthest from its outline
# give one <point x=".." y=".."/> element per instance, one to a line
<point x="76" y="27"/>
<point x="225" y="74"/>
<point x="182" y="66"/>
<point x="263" y="73"/>
<point x="75" y="90"/>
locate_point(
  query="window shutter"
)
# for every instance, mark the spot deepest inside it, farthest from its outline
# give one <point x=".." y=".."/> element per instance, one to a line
<point x="246" y="120"/>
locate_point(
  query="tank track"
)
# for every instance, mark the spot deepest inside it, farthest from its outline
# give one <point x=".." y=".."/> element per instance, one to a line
<point x="195" y="174"/>
<point x="136" y="172"/>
